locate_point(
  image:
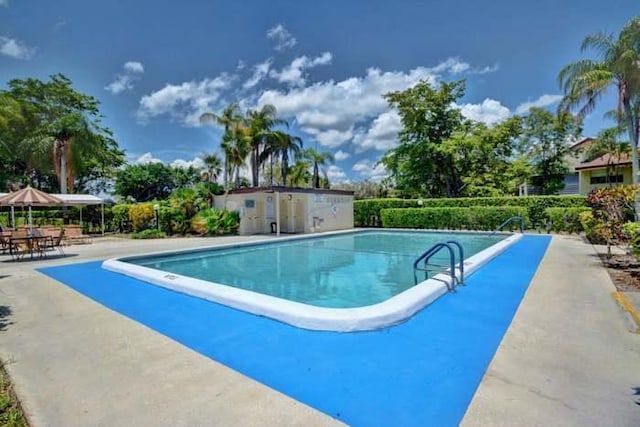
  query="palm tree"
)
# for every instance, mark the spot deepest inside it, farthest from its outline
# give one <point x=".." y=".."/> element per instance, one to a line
<point x="229" y="118"/>
<point x="319" y="159"/>
<point x="238" y="148"/>
<point x="284" y="145"/>
<point x="213" y="166"/>
<point x="68" y="139"/>
<point x="299" y="175"/>
<point x="585" y="81"/>
<point x="260" y="124"/>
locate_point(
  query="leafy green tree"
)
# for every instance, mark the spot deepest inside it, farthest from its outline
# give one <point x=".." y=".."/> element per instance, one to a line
<point x="56" y="132"/>
<point x="146" y="182"/>
<point x="481" y="157"/>
<point x="586" y="81"/>
<point x="545" y="141"/>
<point x="419" y="165"/>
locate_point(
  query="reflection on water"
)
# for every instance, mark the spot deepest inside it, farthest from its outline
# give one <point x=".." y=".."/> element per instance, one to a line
<point x="351" y="270"/>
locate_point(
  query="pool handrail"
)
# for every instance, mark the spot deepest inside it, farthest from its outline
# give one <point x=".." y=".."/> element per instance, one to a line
<point x="518" y="218"/>
<point x="426" y="256"/>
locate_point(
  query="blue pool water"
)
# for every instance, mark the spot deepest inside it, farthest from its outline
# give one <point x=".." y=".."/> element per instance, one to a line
<point x="344" y="271"/>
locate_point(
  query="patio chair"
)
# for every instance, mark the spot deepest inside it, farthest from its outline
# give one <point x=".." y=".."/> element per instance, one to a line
<point x="5" y="242"/>
<point x="74" y="236"/>
<point x="54" y="242"/>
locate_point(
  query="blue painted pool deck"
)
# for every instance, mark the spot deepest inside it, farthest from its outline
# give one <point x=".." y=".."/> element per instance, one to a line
<point x="422" y="372"/>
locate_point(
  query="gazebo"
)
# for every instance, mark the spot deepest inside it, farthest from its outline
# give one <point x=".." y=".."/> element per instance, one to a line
<point x="79" y="200"/>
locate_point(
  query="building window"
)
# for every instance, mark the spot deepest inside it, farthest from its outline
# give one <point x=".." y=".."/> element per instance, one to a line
<point x="603" y="179"/>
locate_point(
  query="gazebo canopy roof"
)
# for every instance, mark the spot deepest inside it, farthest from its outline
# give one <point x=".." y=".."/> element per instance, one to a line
<point x="71" y="199"/>
<point x="29" y="197"/>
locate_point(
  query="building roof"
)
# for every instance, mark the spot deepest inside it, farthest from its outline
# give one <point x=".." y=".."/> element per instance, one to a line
<point x="282" y="189"/>
<point x="582" y="143"/>
<point x="604" y="161"/>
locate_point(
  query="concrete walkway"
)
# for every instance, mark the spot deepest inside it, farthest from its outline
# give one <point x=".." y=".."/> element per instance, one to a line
<point x="567" y="358"/>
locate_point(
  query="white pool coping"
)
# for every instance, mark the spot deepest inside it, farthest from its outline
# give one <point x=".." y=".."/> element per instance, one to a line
<point x="387" y="313"/>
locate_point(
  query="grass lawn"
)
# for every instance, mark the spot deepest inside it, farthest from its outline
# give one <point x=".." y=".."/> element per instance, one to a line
<point x="10" y="411"/>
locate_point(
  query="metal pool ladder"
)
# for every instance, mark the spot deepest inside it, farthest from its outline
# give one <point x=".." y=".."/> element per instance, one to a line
<point x="509" y="221"/>
<point x="426" y="257"/>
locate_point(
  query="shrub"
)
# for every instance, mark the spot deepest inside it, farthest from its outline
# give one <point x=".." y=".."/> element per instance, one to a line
<point x="474" y="218"/>
<point x="142" y="216"/>
<point x="367" y="212"/>
<point x="565" y="219"/>
<point x="121" y="220"/>
<point x="593" y="228"/>
<point x="151" y="233"/>
<point x="611" y="208"/>
<point x="215" y="222"/>
<point x="632" y="232"/>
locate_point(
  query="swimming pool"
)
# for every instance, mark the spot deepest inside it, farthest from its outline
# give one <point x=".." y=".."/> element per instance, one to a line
<point x="344" y="281"/>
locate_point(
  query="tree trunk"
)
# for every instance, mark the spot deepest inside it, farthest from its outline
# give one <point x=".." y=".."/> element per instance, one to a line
<point x="254" y="166"/>
<point x="63" y="167"/>
<point x="633" y="140"/>
<point x="316" y="175"/>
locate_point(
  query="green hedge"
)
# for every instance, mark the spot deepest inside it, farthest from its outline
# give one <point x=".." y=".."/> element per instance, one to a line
<point x="367" y="212"/>
<point x="473" y="218"/>
<point x="565" y="219"/>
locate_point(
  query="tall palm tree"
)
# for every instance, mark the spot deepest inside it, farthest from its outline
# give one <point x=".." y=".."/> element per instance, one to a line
<point x="228" y="119"/>
<point x="260" y="124"/>
<point x="585" y="81"/>
<point x="286" y="146"/>
<point x="239" y="148"/>
<point x="68" y="140"/>
<point x="319" y="159"/>
<point x="213" y="166"/>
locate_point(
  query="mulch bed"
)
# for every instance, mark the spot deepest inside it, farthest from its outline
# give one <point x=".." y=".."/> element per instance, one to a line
<point x="624" y="271"/>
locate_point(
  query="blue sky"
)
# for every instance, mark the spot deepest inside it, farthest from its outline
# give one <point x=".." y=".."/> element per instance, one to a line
<point x="155" y="66"/>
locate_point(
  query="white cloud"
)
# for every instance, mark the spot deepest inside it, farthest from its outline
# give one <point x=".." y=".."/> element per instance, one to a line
<point x="489" y="111"/>
<point x="369" y="170"/>
<point x="451" y="65"/>
<point x="124" y="81"/>
<point x="282" y="37"/>
<point x="186" y="101"/>
<point x="330" y="110"/>
<point x="196" y="162"/>
<point x="134" y="67"/>
<point x="543" y="101"/>
<point x="260" y="71"/>
<point x="382" y="134"/>
<point x="330" y="138"/>
<point x="293" y="75"/>
<point x="146" y="158"/>
<point x="335" y="174"/>
<point x="488" y="69"/>
<point x="341" y="155"/>
<point x="15" y="48"/>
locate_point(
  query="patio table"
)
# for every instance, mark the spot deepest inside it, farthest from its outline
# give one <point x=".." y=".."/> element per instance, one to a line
<point x="32" y="243"/>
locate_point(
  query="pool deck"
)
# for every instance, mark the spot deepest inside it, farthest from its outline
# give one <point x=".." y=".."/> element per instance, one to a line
<point x="566" y="359"/>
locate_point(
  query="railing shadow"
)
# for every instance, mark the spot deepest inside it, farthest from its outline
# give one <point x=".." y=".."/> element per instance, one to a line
<point x="5" y="314"/>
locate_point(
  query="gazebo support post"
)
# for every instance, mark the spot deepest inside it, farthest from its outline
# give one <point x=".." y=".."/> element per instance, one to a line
<point x="102" y="218"/>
